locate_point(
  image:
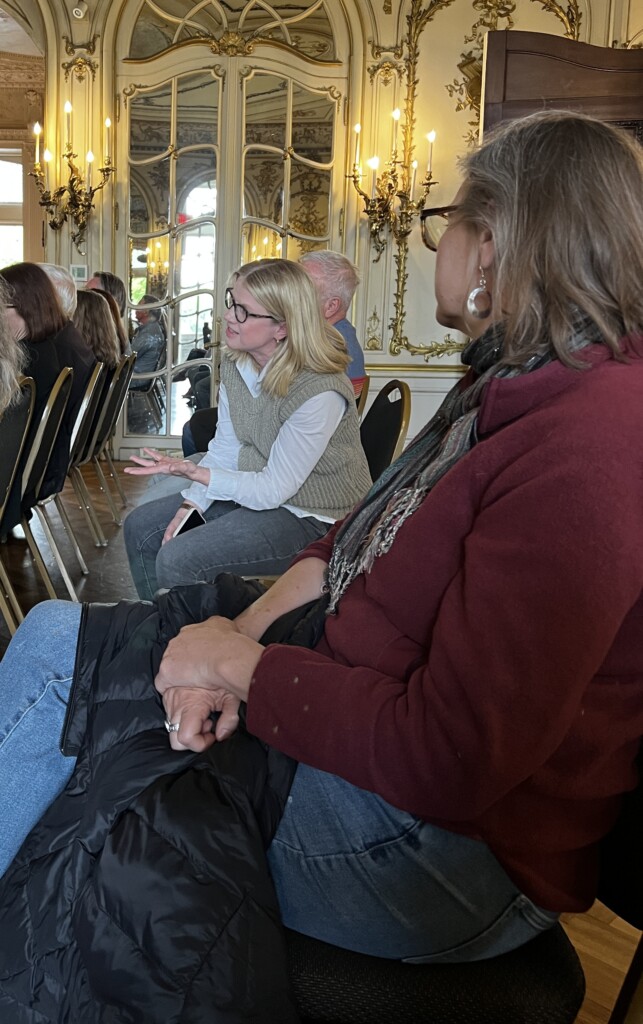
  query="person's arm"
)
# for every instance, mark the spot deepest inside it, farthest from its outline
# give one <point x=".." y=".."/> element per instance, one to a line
<point x="303" y="582"/>
<point x="222" y="453"/>
<point x="296" y="451"/>
<point x="543" y="580"/>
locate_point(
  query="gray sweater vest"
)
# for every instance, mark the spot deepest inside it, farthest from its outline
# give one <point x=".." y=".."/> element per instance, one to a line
<point x="341" y="478"/>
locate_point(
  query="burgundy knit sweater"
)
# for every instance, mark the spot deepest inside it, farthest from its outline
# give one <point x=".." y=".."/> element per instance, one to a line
<point x="487" y="675"/>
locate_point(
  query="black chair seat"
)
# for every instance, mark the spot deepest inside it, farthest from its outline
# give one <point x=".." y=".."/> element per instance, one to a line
<point x="540" y="983"/>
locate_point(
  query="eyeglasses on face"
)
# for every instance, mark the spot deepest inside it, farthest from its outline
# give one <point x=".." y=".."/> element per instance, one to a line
<point x="434" y="223"/>
<point x="240" y="312"/>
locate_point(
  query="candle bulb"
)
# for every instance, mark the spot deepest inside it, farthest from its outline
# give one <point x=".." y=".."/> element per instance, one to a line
<point x="90" y="160"/>
<point x="358" y="129"/>
<point x="108" y="125"/>
<point x="396" y="119"/>
<point x="68" y="120"/>
<point x="47" y="158"/>
<point x="414" y="165"/>
<point x="431" y="139"/>
<point x="374" y="163"/>
<point x="37" y="130"/>
<point x="265" y="245"/>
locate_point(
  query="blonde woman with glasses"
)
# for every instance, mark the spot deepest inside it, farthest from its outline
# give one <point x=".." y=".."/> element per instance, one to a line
<point x="286" y="460"/>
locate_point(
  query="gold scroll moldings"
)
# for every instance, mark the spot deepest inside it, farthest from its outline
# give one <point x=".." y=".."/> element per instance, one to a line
<point x="79" y="67"/>
<point x="494" y="15"/>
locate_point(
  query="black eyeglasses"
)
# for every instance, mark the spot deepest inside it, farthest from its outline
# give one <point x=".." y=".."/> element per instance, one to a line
<point x="434" y="223"/>
<point x="241" y="313"/>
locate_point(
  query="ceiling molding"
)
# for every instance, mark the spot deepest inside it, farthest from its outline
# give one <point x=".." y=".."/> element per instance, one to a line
<point x="20" y="70"/>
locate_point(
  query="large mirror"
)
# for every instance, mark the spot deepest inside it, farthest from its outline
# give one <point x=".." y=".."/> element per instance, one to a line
<point x="172" y="229"/>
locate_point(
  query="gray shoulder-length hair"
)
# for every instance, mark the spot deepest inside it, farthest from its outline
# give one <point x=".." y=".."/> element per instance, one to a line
<point x="12" y="356"/>
<point x="562" y="195"/>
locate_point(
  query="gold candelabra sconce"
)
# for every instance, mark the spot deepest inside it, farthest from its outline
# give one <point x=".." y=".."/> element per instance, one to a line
<point x="72" y="201"/>
<point x="396" y="197"/>
<point x="157" y="270"/>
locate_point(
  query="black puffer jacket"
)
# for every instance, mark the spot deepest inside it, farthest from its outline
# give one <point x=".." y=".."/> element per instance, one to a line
<point x="143" y="895"/>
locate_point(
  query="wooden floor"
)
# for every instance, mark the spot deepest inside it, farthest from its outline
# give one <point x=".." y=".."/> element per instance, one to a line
<point x="604" y="943"/>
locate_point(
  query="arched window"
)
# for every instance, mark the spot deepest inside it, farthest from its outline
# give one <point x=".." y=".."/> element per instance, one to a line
<point x="236" y="152"/>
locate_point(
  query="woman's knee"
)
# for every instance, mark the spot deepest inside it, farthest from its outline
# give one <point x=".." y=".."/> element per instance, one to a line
<point x="48" y="620"/>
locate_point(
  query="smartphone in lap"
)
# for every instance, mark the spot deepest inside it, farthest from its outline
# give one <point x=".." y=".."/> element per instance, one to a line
<point x="192" y="519"/>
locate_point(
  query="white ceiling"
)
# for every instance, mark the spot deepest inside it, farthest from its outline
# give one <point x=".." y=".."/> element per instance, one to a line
<point x="14" y="39"/>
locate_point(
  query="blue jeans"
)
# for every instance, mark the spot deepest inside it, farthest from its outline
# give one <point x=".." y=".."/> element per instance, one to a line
<point x="348" y="868"/>
<point x="233" y="539"/>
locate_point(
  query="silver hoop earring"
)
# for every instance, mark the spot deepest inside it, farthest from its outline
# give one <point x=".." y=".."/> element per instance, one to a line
<point x="481" y="293"/>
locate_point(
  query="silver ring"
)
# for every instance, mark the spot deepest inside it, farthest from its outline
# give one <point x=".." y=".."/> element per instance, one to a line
<point x="171" y="726"/>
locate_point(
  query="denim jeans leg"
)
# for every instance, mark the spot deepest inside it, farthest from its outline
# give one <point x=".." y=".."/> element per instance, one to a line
<point x="356" y="872"/>
<point x="35" y="679"/>
<point x="236" y="539"/>
<point x="143" y="531"/>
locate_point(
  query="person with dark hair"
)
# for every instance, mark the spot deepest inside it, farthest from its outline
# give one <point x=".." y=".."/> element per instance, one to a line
<point x="94" y="320"/>
<point x="51" y="342"/>
<point x="124" y="346"/>
<point x="148" y="341"/>
<point x="108" y="282"/>
<point x="470" y="717"/>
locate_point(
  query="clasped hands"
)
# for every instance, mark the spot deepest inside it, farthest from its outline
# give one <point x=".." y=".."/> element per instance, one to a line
<point x="207" y="667"/>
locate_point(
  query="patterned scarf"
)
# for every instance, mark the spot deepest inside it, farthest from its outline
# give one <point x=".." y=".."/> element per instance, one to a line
<point x="373" y="526"/>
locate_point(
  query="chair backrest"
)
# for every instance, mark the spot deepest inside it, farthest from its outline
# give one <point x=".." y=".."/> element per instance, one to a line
<point x="86" y="415"/>
<point x="620" y="884"/>
<point x="361" y="398"/>
<point x="14" y="424"/>
<point x="112" y="406"/>
<point x="44" y="439"/>
<point x="384" y="428"/>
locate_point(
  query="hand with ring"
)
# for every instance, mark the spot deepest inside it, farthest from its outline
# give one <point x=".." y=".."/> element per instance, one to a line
<point x="188" y="721"/>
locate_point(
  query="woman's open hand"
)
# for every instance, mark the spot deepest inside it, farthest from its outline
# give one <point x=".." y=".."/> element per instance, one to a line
<point x="190" y="708"/>
<point x="156" y="462"/>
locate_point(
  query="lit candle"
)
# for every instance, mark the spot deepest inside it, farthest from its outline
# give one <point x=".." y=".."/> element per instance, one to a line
<point x="47" y="157"/>
<point x="37" y="130"/>
<point x="374" y="163"/>
<point x="358" y="129"/>
<point x="396" y="119"/>
<point x="90" y="160"/>
<point x="108" y="125"/>
<point x="431" y="139"/>
<point x="265" y="244"/>
<point x="68" y="118"/>
<point x="414" y="165"/>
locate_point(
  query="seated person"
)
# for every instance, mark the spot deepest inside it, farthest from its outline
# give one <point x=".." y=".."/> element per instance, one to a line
<point x="286" y="461"/>
<point x="148" y="341"/>
<point x="51" y="342"/>
<point x="470" y="718"/>
<point x="107" y="282"/>
<point x="335" y="279"/>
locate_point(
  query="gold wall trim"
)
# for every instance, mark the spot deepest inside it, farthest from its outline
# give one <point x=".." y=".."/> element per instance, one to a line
<point x="18" y="70"/>
<point x="494" y="15"/>
<point x="378" y="370"/>
<point x="79" y="68"/>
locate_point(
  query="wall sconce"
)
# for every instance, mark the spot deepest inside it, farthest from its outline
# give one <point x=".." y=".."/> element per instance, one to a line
<point x="157" y="268"/>
<point x="73" y="201"/>
<point x="393" y="202"/>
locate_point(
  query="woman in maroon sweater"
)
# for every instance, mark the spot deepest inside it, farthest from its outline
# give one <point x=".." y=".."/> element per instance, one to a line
<point x="470" y="718"/>
<point x="481" y="669"/>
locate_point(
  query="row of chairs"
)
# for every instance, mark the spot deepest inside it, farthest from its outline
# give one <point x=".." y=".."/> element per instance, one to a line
<point x="95" y="422"/>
